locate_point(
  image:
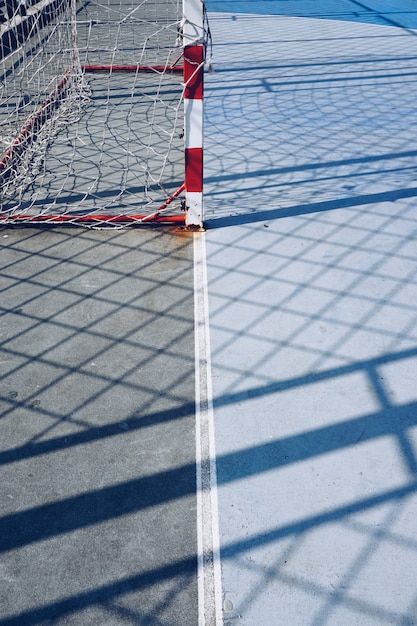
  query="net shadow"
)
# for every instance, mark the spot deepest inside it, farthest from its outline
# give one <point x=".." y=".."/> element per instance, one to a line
<point x="97" y="339"/>
<point x="310" y="162"/>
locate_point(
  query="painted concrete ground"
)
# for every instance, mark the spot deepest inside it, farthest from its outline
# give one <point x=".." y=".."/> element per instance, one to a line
<point x="311" y="167"/>
<point x="97" y="438"/>
<point x="311" y="258"/>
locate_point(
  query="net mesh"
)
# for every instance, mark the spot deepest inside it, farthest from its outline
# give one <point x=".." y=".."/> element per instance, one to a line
<point x="91" y="119"/>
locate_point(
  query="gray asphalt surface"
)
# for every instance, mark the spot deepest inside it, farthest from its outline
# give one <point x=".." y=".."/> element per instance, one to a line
<point x="97" y="428"/>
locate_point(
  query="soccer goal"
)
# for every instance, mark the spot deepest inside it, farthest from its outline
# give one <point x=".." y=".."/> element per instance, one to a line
<point x="101" y="114"/>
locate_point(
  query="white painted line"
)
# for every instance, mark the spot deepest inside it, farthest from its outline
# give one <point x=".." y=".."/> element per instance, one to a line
<point x="208" y="543"/>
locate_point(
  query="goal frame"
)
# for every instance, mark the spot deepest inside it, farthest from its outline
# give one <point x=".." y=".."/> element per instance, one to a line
<point x="194" y="59"/>
<point x="190" y="63"/>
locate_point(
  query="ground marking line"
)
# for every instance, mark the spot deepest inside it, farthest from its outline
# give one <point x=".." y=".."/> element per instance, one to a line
<point x="208" y="542"/>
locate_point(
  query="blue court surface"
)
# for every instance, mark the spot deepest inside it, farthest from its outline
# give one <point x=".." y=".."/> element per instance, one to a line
<point x="221" y="428"/>
<point x="311" y="167"/>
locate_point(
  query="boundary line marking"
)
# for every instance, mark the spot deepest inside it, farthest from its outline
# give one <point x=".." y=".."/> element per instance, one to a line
<point x="208" y="540"/>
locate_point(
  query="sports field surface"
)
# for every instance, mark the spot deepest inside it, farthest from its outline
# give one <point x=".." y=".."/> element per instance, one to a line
<point x="221" y="427"/>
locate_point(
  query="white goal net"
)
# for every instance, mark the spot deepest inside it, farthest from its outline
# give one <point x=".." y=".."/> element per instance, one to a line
<point x="92" y="111"/>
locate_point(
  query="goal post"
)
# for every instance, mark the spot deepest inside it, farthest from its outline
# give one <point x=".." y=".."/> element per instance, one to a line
<point x="101" y="118"/>
<point x="194" y="56"/>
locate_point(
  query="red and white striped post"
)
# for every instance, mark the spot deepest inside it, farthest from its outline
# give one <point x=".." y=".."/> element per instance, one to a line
<point x="194" y="57"/>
